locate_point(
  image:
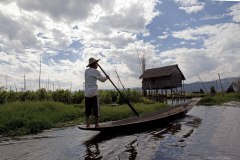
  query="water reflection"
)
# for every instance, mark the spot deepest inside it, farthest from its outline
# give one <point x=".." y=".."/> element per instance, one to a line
<point x="173" y="138"/>
<point x="92" y="151"/>
<point x="131" y="150"/>
<point x="129" y="144"/>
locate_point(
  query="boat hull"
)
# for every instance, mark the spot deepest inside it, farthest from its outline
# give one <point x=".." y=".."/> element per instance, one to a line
<point x="146" y="121"/>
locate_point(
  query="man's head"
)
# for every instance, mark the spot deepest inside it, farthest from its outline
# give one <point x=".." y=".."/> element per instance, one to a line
<point x="93" y="63"/>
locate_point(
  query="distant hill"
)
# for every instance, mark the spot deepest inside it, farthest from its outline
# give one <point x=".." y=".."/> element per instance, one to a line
<point x="196" y="86"/>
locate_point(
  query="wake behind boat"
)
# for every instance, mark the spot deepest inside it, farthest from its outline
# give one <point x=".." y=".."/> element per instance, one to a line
<point x="157" y="118"/>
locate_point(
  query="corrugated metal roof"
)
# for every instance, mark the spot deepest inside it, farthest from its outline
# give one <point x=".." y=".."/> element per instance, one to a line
<point x="160" y="72"/>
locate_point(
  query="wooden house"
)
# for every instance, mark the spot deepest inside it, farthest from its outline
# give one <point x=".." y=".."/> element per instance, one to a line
<point x="163" y="78"/>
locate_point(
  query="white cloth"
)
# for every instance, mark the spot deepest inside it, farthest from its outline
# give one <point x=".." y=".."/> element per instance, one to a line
<point x="91" y="87"/>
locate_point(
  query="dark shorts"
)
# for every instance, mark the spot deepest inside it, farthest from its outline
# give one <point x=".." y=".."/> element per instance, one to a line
<point x="91" y="106"/>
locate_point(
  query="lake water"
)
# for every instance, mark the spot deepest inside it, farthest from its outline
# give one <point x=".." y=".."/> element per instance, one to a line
<point x="206" y="133"/>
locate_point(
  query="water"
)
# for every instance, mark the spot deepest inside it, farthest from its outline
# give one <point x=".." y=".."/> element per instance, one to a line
<point x="208" y="133"/>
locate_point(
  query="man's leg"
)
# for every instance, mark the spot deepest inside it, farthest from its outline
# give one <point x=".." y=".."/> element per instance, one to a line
<point x="88" y="110"/>
<point x="87" y="122"/>
<point x="96" y="122"/>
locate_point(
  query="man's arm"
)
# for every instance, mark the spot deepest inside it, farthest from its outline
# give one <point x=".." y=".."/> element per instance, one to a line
<point x="100" y="77"/>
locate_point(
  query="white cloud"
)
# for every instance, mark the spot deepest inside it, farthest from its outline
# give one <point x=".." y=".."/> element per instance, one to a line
<point x="220" y="37"/>
<point x="220" y="52"/>
<point x="235" y="12"/>
<point x="30" y="28"/>
<point x="164" y="36"/>
<point x="108" y="30"/>
<point x="214" y="17"/>
<point x="61" y="9"/>
<point x="190" y="6"/>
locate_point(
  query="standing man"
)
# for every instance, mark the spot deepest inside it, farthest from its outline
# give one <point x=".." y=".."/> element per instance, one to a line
<point x="91" y="90"/>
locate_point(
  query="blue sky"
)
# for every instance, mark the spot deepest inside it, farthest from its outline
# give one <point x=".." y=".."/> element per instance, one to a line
<point x="202" y="37"/>
<point x="174" y="19"/>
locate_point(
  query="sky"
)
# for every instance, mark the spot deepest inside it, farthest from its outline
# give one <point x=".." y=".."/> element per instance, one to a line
<point x="201" y="36"/>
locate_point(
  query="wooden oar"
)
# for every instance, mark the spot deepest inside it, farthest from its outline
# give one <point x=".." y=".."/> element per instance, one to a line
<point x="126" y="101"/>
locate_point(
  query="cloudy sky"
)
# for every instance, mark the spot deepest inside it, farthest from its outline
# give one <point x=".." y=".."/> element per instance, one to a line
<point x="202" y="37"/>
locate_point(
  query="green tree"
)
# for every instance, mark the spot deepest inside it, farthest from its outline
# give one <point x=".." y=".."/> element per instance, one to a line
<point x="213" y="90"/>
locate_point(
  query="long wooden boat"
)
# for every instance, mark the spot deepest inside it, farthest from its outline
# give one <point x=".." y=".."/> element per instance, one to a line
<point x="147" y="120"/>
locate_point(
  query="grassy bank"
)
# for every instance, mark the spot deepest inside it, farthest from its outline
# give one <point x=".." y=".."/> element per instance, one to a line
<point x="109" y="113"/>
<point x="219" y="99"/>
<point x="33" y="117"/>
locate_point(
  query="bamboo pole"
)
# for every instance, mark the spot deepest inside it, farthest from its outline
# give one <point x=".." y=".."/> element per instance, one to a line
<point x="202" y="84"/>
<point x="15" y="87"/>
<point x="39" y="80"/>
<point x="6" y="82"/>
<point x="221" y="84"/>
<point x="24" y="87"/>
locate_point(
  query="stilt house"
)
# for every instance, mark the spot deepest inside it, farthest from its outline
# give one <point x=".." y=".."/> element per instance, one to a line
<point x="163" y="78"/>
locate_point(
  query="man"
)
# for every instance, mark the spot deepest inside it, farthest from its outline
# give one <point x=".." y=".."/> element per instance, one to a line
<point x="91" y="90"/>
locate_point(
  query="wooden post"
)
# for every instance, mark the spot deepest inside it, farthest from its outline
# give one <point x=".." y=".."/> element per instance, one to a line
<point x="15" y="87"/>
<point x="216" y="86"/>
<point x="221" y="84"/>
<point x="184" y="91"/>
<point x="202" y="84"/>
<point x="48" y="84"/>
<point x="39" y="81"/>
<point x="24" y="87"/>
<point x="6" y="83"/>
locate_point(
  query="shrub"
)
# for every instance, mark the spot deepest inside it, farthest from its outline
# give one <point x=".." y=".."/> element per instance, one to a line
<point x="131" y="95"/>
<point x="28" y="96"/>
<point x="147" y="101"/>
<point x="15" y="123"/>
<point x="64" y="96"/>
<point x="77" y="97"/>
<point x="43" y="95"/>
<point x="3" y="97"/>
<point x="208" y="101"/>
<point x="105" y="97"/>
<point x="37" y="125"/>
<point x="12" y="96"/>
